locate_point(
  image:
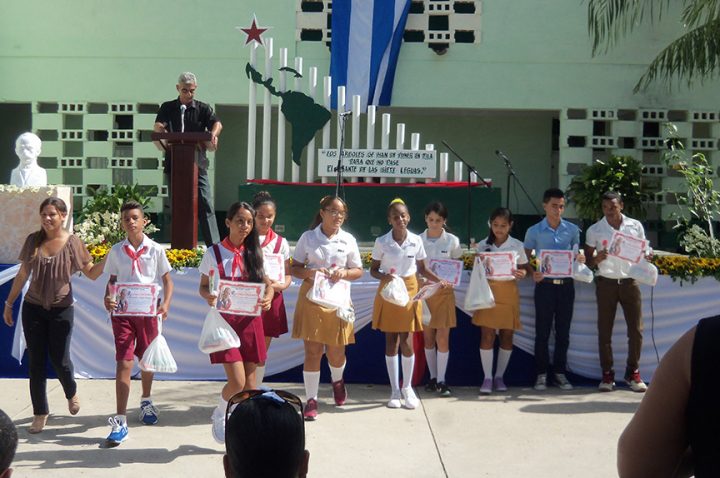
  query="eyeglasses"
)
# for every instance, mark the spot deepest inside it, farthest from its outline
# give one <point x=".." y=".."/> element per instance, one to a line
<point x="278" y="396"/>
<point x="336" y="213"/>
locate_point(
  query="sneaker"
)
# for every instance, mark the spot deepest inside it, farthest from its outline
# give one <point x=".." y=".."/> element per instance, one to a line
<point x="562" y="382"/>
<point x="486" y="387"/>
<point x="499" y="384"/>
<point x="444" y="389"/>
<point x="411" y="400"/>
<point x="339" y="392"/>
<point x="119" y="431"/>
<point x="148" y="412"/>
<point x="608" y="382"/>
<point x="218" y="425"/>
<point x="311" y="410"/>
<point x="432" y="385"/>
<point x="635" y="382"/>
<point x="394" y="401"/>
<point x="541" y="382"/>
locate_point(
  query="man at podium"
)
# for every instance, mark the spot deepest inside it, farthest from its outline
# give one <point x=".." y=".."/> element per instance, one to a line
<point x="188" y="115"/>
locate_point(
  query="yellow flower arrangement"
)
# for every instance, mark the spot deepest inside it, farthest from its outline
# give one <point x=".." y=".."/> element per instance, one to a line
<point x="687" y="268"/>
<point x="178" y="258"/>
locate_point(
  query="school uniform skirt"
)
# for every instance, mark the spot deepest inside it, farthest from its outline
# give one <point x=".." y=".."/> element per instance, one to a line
<point x="252" y="341"/>
<point x="315" y="323"/>
<point x="389" y="317"/>
<point x="275" y="320"/>
<point x="506" y="313"/>
<point x="442" y="309"/>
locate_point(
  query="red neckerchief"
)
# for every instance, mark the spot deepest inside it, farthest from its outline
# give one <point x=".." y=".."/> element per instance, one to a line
<point x="268" y="238"/>
<point x="135" y="256"/>
<point x="237" y="263"/>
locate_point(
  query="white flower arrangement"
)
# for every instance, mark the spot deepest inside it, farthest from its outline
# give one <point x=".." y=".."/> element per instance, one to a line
<point x="104" y="227"/>
<point x="12" y="189"/>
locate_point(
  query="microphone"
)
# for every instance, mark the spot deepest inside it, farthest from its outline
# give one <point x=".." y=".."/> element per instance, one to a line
<point x="182" y="118"/>
<point x="345" y="113"/>
<point x="501" y="154"/>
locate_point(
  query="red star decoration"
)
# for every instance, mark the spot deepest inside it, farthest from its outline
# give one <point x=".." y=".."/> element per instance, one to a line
<point x="253" y="33"/>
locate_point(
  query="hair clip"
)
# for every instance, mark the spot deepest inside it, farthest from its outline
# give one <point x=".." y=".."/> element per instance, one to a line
<point x="397" y="201"/>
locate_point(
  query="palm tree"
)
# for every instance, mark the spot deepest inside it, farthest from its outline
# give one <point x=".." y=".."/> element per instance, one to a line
<point x="693" y="55"/>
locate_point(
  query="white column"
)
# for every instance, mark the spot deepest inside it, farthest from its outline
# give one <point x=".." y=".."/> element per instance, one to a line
<point x="282" y="86"/>
<point x="415" y="146"/>
<point x="400" y="141"/>
<point x="429" y="147"/>
<point x="252" y="118"/>
<point x="458" y="171"/>
<point x="312" y="73"/>
<point x="385" y="137"/>
<point x="444" y="161"/>
<point x="327" y="94"/>
<point x="355" y="142"/>
<point x="339" y="119"/>
<point x="298" y="87"/>
<point x="267" y="111"/>
<point x="370" y="132"/>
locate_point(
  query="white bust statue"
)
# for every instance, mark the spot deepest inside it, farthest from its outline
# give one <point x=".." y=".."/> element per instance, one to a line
<point x="28" y="173"/>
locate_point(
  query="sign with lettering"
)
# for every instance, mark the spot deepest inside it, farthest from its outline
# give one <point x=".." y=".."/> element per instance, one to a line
<point x="382" y="163"/>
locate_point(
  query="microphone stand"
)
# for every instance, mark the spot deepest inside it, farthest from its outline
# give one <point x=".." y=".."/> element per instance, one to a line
<point x="511" y="174"/>
<point x="469" y="187"/>
<point x="339" y="168"/>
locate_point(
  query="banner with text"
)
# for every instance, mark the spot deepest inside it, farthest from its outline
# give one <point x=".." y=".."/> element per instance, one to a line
<point x="390" y="163"/>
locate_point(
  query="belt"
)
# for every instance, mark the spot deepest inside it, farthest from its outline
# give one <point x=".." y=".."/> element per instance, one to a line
<point x="627" y="280"/>
<point x="566" y="280"/>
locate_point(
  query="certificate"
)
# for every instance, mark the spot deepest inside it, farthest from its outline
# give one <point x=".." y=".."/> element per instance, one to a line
<point x="498" y="265"/>
<point x="447" y="269"/>
<point x="554" y="263"/>
<point x="240" y="298"/>
<point x="627" y="247"/>
<point x="135" y="299"/>
<point x="274" y="267"/>
<point x="427" y="291"/>
<point x="330" y="294"/>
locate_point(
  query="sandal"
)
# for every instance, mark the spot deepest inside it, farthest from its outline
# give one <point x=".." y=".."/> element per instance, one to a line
<point x="74" y="405"/>
<point x="38" y="423"/>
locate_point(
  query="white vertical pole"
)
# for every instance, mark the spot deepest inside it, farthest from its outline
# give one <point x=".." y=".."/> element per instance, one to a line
<point x="385" y="137"/>
<point x="340" y="109"/>
<point x="444" y="160"/>
<point x="458" y="171"/>
<point x="473" y="177"/>
<point x="312" y="71"/>
<point x="429" y="147"/>
<point x="282" y="86"/>
<point x="415" y="146"/>
<point x="327" y="93"/>
<point x="355" y="128"/>
<point x="400" y="141"/>
<point x="298" y="87"/>
<point x="370" y="132"/>
<point x="267" y="111"/>
<point x="252" y="119"/>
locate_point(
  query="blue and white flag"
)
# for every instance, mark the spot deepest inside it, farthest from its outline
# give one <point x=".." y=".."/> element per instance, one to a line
<point x="366" y="38"/>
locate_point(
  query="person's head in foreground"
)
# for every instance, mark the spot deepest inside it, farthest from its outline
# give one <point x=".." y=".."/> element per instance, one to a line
<point x="8" y="444"/>
<point x="265" y="436"/>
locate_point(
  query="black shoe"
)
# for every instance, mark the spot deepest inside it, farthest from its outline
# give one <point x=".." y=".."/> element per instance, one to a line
<point x="444" y="389"/>
<point x="432" y="385"/>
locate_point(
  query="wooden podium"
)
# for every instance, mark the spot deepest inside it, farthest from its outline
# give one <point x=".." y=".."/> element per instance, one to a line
<point x="184" y="150"/>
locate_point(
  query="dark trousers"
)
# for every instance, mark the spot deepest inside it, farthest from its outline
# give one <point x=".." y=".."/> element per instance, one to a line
<point x="553" y="303"/>
<point x="610" y="292"/>
<point x="206" y="211"/>
<point x="47" y="333"/>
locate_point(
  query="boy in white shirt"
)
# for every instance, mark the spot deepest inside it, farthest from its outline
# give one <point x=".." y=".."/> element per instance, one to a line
<point x="140" y="260"/>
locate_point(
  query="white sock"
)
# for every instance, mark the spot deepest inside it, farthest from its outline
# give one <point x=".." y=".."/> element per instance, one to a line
<point x="146" y="399"/>
<point x="503" y="359"/>
<point x="442" y="361"/>
<point x="259" y="376"/>
<point x="312" y="383"/>
<point x="336" y="373"/>
<point x="408" y="363"/>
<point x="431" y="359"/>
<point x="486" y="357"/>
<point x="121" y="418"/>
<point x="391" y="362"/>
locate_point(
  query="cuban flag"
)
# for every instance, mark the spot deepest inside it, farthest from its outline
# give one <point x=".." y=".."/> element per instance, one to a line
<point x="365" y="43"/>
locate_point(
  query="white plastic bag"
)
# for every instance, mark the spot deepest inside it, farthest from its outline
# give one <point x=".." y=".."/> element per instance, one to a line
<point x="157" y="357"/>
<point x="644" y="273"/>
<point x="217" y="334"/>
<point x="395" y="292"/>
<point x="479" y="295"/>
<point x="426" y="317"/>
<point x="346" y="313"/>
<point x="582" y="273"/>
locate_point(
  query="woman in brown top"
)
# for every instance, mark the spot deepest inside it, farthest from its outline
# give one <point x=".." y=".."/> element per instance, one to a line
<point x="52" y="255"/>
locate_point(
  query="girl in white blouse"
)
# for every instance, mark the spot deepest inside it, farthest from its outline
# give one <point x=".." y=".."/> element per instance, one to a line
<point x="399" y="253"/>
<point x="325" y="248"/>
<point x="439" y="244"/>
<point x="505" y="316"/>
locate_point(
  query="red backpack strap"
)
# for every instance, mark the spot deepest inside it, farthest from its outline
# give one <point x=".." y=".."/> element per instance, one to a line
<point x="278" y="244"/>
<point x="218" y="259"/>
